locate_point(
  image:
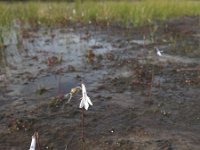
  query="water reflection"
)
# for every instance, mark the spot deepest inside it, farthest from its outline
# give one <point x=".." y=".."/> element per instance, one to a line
<point x="24" y="57"/>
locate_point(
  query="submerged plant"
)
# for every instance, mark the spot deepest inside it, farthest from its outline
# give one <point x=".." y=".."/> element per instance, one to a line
<point x="56" y="102"/>
<point x="54" y="60"/>
<point x="41" y="90"/>
<point x="20" y="124"/>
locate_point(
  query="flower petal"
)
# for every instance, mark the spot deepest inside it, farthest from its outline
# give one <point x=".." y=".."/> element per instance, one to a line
<point x="33" y="143"/>
<point x="85" y="100"/>
<point x="81" y="103"/>
<point x="89" y="101"/>
<point x="86" y="105"/>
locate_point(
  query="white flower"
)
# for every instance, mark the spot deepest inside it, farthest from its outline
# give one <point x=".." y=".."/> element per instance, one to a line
<point x="158" y="52"/>
<point x="82" y="14"/>
<point x="85" y="100"/>
<point x="74" y="11"/>
<point x="33" y="143"/>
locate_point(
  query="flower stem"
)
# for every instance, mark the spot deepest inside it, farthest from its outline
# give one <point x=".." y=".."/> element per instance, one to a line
<point x="82" y="129"/>
<point x="37" y="140"/>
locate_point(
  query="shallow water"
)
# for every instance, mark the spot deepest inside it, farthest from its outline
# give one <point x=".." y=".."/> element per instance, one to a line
<point x="29" y="61"/>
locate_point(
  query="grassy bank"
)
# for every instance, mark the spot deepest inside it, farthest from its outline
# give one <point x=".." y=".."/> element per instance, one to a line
<point x="135" y="13"/>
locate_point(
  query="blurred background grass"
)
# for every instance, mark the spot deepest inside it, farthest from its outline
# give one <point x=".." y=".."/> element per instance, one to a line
<point x="124" y="12"/>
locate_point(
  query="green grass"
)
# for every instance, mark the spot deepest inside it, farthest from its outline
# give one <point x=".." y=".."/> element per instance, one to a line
<point x="124" y="12"/>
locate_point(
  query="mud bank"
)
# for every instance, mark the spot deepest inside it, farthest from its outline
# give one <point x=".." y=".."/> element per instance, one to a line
<point x="141" y="100"/>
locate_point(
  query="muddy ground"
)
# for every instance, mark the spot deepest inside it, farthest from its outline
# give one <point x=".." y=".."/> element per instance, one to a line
<point x="141" y="101"/>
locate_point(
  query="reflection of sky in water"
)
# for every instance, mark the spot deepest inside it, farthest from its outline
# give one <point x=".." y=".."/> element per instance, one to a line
<point x="45" y="44"/>
<point x="19" y="62"/>
<point x="55" y="84"/>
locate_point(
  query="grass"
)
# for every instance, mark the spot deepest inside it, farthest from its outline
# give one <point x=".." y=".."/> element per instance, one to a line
<point x="123" y="12"/>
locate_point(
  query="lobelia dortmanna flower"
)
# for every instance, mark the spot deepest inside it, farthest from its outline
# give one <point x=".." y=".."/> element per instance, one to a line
<point x="158" y="52"/>
<point x="33" y="143"/>
<point x="85" y="100"/>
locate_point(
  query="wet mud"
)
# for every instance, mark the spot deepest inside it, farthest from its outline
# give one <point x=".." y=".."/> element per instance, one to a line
<point x="141" y="101"/>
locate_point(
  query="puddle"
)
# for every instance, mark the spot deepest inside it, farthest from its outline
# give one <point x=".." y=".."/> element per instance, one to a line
<point x="59" y="85"/>
<point x="29" y="62"/>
